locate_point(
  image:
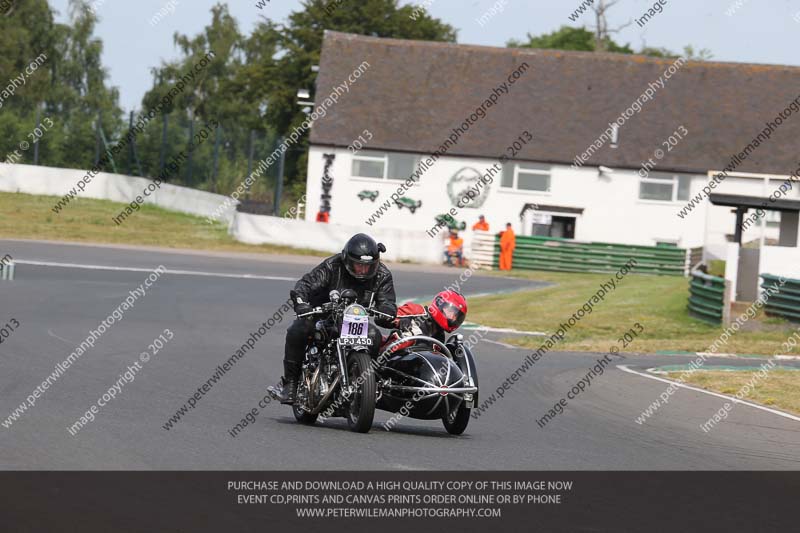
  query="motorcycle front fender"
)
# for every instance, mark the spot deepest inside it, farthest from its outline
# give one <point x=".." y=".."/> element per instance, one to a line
<point x="466" y="362"/>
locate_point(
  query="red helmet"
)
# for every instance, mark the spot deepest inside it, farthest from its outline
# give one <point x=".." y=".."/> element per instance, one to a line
<point x="448" y="309"/>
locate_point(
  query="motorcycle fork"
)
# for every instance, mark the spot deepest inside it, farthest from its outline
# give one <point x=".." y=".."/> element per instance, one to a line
<point x="343" y="370"/>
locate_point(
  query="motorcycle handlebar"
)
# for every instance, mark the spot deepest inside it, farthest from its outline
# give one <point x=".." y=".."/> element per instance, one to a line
<point x="328" y="306"/>
<point x="379" y="313"/>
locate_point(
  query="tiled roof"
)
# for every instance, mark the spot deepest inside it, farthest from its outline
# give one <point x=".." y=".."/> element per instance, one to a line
<point x="415" y="92"/>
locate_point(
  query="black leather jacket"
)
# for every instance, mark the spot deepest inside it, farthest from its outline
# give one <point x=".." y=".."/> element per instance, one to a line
<point x="331" y="274"/>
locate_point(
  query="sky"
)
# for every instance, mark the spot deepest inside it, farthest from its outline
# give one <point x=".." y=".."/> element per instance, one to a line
<point x="756" y="31"/>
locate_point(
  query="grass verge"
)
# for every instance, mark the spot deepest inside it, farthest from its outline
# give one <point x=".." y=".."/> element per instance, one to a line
<point x="779" y="389"/>
<point x="26" y="216"/>
<point x="658" y="303"/>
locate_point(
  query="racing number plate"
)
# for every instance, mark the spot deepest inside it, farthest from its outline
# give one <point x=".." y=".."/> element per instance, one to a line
<point x="354" y="330"/>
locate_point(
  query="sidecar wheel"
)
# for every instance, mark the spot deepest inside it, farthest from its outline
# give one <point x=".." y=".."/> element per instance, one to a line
<point x="457" y="424"/>
<point x="304" y="417"/>
<point x="362" y="404"/>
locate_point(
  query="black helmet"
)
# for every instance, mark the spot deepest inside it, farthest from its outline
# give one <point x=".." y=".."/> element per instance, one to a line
<point x="361" y="256"/>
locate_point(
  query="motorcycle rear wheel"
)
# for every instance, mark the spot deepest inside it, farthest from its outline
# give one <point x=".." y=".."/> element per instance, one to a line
<point x="362" y="404"/>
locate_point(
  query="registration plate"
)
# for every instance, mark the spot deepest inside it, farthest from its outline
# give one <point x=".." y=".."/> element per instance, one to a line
<point x="355" y="341"/>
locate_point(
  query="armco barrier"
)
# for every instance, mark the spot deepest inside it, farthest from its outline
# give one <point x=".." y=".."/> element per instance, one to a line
<point x="785" y="302"/>
<point x="707" y="298"/>
<point x="566" y="255"/>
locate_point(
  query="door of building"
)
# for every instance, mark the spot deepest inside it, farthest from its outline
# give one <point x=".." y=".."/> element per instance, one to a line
<point x="747" y="279"/>
<point x="554" y="226"/>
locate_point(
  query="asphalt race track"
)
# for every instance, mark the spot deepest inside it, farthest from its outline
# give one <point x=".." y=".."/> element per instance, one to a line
<point x="212" y="307"/>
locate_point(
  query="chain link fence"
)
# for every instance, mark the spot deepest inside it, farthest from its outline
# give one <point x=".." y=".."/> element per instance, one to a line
<point x="209" y="155"/>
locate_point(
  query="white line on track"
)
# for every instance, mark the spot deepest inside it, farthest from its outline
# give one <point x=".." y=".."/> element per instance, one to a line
<point x="736" y="356"/>
<point x="503" y="344"/>
<point x="50" y="332"/>
<point x="625" y="368"/>
<point x="469" y="326"/>
<point x="168" y="271"/>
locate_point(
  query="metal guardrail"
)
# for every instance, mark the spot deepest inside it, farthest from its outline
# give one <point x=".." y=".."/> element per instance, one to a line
<point x="708" y="298"/>
<point x="785" y="302"/>
<point x="566" y="255"/>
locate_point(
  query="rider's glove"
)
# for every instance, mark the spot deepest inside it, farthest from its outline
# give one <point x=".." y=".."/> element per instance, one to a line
<point x="301" y="307"/>
<point x="389" y="310"/>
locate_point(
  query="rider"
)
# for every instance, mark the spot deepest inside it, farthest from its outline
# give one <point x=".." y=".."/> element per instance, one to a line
<point x="445" y="314"/>
<point x="357" y="267"/>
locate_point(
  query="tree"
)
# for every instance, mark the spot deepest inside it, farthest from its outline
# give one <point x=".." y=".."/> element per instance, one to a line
<point x="69" y="87"/>
<point x="581" y="39"/>
<point x="253" y="80"/>
<point x="602" y="33"/>
<point x="569" y="38"/>
<point x="211" y="116"/>
<point x="300" y="43"/>
<point x="704" y="54"/>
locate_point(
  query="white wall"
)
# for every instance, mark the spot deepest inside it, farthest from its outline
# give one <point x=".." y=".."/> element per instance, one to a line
<point x="722" y="220"/>
<point x="732" y="268"/>
<point x="612" y="212"/>
<point x="31" y="179"/>
<point x="400" y="244"/>
<point x="612" y="209"/>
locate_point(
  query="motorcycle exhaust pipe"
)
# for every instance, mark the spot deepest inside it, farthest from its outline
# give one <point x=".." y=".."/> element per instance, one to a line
<point x="313" y="383"/>
<point x="324" y="399"/>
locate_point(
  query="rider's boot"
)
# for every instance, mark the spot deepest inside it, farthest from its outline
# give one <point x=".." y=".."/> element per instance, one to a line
<point x="291" y="371"/>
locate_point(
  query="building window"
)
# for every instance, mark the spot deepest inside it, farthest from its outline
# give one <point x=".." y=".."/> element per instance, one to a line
<point x="665" y="187"/>
<point x="369" y="166"/>
<point x="384" y="165"/>
<point x="401" y="166"/>
<point x="526" y="177"/>
<point x="773" y="219"/>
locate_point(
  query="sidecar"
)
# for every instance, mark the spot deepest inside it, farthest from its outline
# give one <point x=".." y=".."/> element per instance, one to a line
<point x="423" y="378"/>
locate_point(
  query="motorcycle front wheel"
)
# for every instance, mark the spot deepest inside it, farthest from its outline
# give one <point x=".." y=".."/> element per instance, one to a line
<point x="304" y="417"/>
<point x="455" y="422"/>
<point x="362" y="402"/>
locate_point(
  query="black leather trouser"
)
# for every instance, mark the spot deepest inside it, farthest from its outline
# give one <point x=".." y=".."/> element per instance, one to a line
<point x="298" y="336"/>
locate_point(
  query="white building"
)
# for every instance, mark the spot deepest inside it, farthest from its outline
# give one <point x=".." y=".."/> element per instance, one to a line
<point x="694" y="119"/>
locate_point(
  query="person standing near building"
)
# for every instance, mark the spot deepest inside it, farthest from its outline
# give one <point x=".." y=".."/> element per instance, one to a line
<point x="508" y="242"/>
<point x="481" y="224"/>
<point x="455" y="249"/>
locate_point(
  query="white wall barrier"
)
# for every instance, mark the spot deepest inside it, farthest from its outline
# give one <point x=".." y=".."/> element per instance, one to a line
<point x="776" y="260"/>
<point x="51" y="181"/>
<point x="780" y="261"/>
<point x="732" y="269"/>
<point x="481" y="251"/>
<point x="400" y="244"/>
